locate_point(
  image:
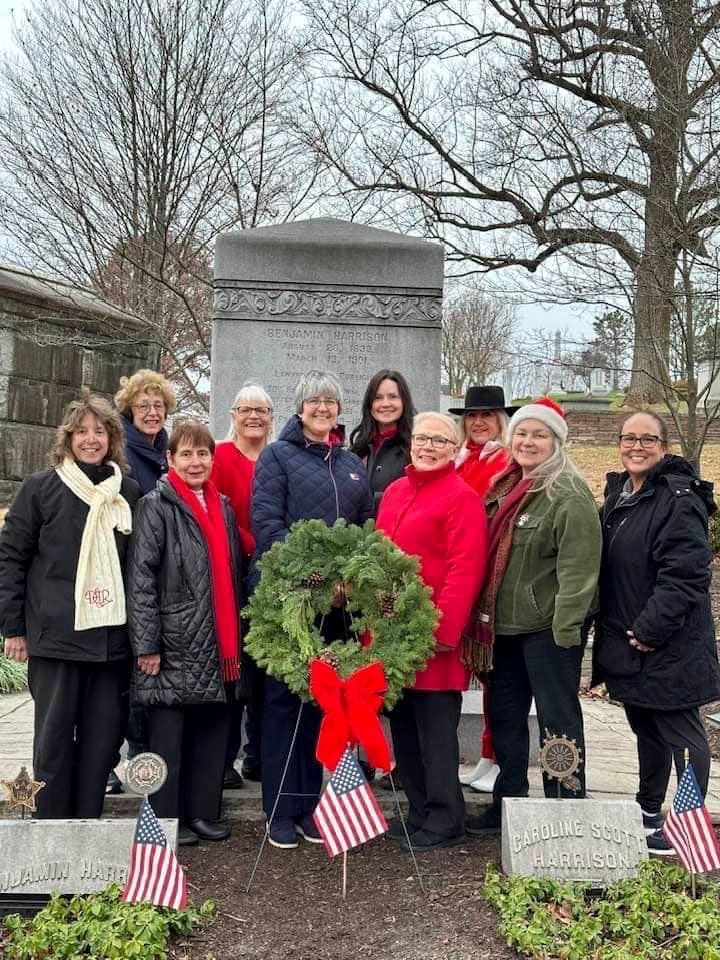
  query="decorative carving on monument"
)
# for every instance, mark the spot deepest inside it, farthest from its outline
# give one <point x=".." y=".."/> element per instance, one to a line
<point x="328" y="306"/>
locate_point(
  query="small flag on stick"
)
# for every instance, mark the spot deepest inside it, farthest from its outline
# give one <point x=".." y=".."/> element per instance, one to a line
<point x="689" y="829"/>
<point x="155" y="876"/>
<point x="348" y="813"/>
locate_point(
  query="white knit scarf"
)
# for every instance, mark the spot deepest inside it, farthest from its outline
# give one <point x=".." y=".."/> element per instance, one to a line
<point x="99" y="590"/>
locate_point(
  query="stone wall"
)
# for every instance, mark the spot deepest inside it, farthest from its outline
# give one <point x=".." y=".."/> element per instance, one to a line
<point x="604" y="427"/>
<point x="54" y="339"/>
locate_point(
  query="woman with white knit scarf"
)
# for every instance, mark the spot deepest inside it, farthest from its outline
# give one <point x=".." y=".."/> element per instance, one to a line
<point x="62" y="605"/>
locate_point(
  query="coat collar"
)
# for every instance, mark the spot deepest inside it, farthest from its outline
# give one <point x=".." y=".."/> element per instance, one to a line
<point x="422" y="478"/>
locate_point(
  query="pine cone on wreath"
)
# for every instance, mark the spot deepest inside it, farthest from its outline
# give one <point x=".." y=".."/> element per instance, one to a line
<point x="315" y="580"/>
<point x="387" y="604"/>
<point x="329" y="656"/>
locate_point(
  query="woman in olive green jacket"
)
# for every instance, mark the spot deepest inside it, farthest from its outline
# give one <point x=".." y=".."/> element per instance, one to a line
<point x="530" y="625"/>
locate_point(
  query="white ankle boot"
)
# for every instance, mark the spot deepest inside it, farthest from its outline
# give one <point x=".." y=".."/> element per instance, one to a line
<point x="482" y="767"/>
<point x="486" y="782"/>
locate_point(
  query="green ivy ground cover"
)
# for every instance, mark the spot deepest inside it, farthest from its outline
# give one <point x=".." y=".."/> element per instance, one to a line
<point x="652" y="917"/>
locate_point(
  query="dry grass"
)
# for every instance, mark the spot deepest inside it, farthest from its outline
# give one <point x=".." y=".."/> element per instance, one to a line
<point x="595" y="461"/>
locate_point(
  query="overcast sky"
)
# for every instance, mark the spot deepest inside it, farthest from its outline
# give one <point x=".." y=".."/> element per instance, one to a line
<point x="534" y="315"/>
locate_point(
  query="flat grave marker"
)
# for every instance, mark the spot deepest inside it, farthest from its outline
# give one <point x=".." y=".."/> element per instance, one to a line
<point x="597" y="840"/>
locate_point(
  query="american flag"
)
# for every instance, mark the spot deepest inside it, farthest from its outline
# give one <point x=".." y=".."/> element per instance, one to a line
<point x="348" y="813"/>
<point x="155" y="875"/>
<point x="689" y="829"/>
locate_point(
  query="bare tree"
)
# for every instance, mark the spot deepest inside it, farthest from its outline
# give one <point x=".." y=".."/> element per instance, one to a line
<point x="476" y="330"/>
<point x="131" y="133"/>
<point x="534" y="134"/>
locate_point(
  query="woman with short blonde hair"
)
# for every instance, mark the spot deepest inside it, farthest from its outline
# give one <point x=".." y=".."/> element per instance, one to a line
<point x="145" y="400"/>
<point x="233" y="471"/>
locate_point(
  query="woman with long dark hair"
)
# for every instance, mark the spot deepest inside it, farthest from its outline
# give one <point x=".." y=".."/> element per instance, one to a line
<point x="382" y="438"/>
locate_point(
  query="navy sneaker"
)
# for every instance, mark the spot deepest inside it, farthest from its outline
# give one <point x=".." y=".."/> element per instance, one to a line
<point x="306" y="828"/>
<point x="652" y="822"/>
<point x="659" y="845"/>
<point x="281" y="833"/>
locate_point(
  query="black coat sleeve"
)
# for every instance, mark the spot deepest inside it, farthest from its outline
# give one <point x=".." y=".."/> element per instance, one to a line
<point x="18" y="545"/>
<point x="147" y="547"/>
<point x="681" y="554"/>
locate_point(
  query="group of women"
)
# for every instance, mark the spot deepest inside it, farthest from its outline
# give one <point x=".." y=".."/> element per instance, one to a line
<point x="126" y="588"/>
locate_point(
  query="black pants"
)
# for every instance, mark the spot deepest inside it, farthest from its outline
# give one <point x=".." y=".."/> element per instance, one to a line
<point x="424" y="727"/>
<point x="247" y="704"/>
<point x="303" y="777"/>
<point x="663" y="736"/>
<point x="80" y="716"/>
<point x="526" y="666"/>
<point x="192" y="740"/>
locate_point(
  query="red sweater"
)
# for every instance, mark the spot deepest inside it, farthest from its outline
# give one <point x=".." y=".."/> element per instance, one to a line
<point x="437" y="517"/>
<point x="232" y="473"/>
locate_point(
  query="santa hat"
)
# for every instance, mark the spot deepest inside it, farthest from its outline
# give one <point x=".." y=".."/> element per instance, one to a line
<point x="546" y="411"/>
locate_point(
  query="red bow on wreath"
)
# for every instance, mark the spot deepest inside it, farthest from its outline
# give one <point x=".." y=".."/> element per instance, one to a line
<point x="351" y="710"/>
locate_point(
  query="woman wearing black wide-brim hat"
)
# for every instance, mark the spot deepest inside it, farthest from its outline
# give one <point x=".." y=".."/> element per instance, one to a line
<point x="482" y="457"/>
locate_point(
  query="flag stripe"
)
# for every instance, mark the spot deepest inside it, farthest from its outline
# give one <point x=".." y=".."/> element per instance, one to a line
<point x="689" y="829"/>
<point x="348" y="813"/>
<point x="154" y="874"/>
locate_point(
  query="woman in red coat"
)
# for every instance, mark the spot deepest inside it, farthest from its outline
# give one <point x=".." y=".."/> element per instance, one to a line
<point x="233" y="471"/>
<point x="432" y="514"/>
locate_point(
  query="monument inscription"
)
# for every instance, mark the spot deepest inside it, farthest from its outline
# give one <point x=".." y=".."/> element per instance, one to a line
<point x="70" y="856"/>
<point x="597" y="840"/>
<point x="324" y="294"/>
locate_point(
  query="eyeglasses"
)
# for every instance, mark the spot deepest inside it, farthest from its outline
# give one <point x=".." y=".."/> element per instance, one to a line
<point x="145" y="406"/>
<point x="246" y="411"/>
<point x="317" y="401"/>
<point x="439" y="443"/>
<point x="647" y="441"/>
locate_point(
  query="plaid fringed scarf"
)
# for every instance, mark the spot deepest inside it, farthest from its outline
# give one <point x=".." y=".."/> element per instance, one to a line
<point x="511" y="492"/>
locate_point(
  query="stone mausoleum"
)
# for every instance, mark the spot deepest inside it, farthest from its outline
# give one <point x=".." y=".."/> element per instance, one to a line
<point x="55" y="339"/>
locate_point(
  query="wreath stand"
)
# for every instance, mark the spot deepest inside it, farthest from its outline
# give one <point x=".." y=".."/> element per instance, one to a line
<point x="282" y="793"/>
<point x="393" y="615"/>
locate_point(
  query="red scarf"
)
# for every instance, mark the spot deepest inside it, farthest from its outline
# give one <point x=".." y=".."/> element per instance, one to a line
<point x="511" y="492"/>
<point x="479" y="470"/>
<point x="380" y="436"/>
<point x="212" y="526"/>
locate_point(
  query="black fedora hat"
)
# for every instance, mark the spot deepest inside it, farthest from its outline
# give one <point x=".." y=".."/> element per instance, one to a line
<point x="484" y="398"/>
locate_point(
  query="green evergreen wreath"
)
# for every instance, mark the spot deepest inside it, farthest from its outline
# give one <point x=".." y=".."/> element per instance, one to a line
<point x="384" y="592"/>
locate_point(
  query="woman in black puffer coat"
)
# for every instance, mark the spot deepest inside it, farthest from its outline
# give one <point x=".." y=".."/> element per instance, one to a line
<point x="655" y="640"/>
<point x="184" y="601"/>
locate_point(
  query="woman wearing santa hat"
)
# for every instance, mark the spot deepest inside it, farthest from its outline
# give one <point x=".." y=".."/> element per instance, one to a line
<point x="530" y="625"/>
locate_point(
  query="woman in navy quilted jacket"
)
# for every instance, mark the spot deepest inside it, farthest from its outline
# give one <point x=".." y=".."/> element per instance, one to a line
<point x="306" y="474"/>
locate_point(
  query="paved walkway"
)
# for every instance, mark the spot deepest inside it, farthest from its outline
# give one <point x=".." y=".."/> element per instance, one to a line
<point x="611" y="759"/>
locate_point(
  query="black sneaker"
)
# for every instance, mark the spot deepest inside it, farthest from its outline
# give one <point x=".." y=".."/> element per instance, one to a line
<point x="251" y="771"/>
<point x="659" y="845"/>
<point x="652" y="822"/>
<point x="423" y="840"/>
<point x="486" y="822"/>
<point x="395" y="829"/>
<point x="232" y="780"/>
